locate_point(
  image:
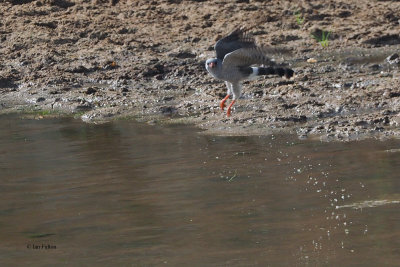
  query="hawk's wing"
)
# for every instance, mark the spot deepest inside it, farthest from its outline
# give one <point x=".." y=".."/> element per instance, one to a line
<point x="248" y="56"/>
<point x="237" y="39"/>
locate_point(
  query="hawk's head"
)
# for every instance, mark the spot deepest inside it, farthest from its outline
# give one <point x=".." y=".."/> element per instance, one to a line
<point x="211" y="63"/>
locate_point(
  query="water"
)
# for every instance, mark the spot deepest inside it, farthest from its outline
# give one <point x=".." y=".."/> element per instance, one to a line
<point x="131" y="194"/>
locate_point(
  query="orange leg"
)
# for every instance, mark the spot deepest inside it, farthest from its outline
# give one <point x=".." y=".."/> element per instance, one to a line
<point x="228" y="113"/>
<point x="222" y="104"/>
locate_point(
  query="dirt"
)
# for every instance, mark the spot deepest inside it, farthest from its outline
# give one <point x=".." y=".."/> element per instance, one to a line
<point x="145" y="59"/>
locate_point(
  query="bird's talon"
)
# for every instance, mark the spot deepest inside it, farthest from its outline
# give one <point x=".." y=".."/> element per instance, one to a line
<point x="222" y="103"/>
<point x="228" y="112"/>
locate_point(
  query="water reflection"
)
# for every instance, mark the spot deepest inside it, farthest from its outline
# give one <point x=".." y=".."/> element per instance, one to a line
<point x="133" y="194"/>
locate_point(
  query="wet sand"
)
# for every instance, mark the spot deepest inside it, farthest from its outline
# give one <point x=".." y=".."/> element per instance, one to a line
<point x="145" y="60"/>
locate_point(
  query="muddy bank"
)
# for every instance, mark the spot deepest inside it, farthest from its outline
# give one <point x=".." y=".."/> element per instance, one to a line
<point x="104" y="60"/>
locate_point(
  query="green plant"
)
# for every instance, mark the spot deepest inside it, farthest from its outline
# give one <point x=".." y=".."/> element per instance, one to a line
<point x="322" y="38"/>
<point x="299" y="18"/>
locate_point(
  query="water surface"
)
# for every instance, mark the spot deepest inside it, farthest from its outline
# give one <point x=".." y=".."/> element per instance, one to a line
<point x="131" y="194"/>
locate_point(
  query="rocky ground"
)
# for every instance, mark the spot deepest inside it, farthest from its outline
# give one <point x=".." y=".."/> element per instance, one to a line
<point x="145" y="59"/>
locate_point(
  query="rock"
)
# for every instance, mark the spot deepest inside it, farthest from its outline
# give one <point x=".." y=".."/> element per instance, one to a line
<point x="98" y="35"/>
<point x="91" y="91"/>
<point x="79" y="69"/>
<point x="311" y="60"/>
<point x="159" y="77"/>
<point x="361" y="123"/>
<point x="7" y="82"/>
<point x="83" y="107"/>
<point x="374" y="67"/>
<point x="50" y="24"/>
<point x="154" y="70"/>
<point x="289" y="106"/>
<point x="344" y="14"/>
<point x="168" y="98"/>
<point x="61" y="3"/>
<point x="393" y="59"/>
<point x="127" y="30"/>
<point x="167" y="110"/>
<point x="394" y="94"/>
<point x="300" y="118"/>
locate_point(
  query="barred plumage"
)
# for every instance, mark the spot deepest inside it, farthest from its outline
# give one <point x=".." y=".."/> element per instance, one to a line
<point x="236" y="53"/>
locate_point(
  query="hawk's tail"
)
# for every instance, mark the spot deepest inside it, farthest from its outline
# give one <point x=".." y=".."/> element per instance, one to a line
<point x="281" y="71"/>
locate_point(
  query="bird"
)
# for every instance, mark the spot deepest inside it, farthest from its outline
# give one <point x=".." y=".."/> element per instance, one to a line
<point x="237" y="57"/>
